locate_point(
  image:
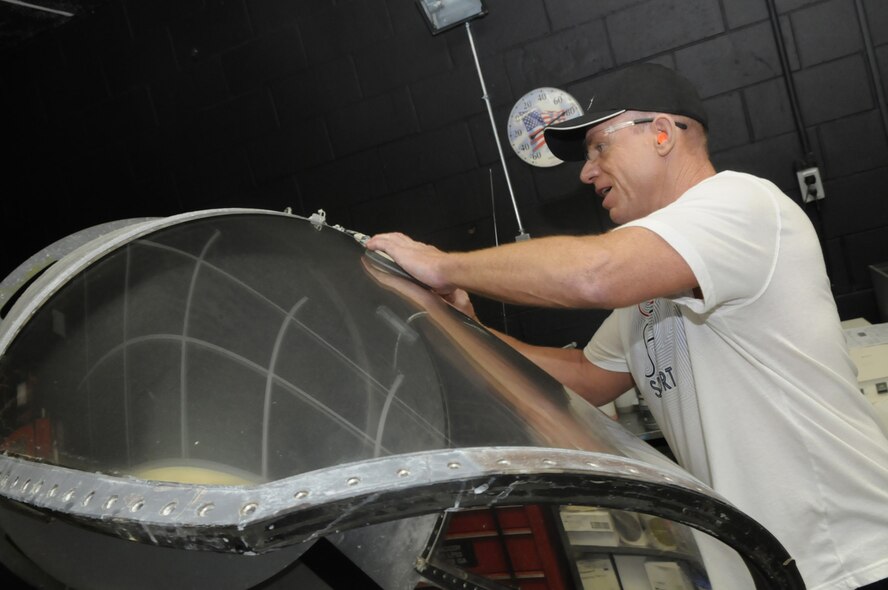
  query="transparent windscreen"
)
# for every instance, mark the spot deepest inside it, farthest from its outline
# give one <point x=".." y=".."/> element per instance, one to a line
<point x="240" y="349"/>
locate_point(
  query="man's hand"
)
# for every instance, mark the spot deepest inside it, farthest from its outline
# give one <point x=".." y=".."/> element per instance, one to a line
<point x="460" y="300"/>
<point x="422" y="261"/>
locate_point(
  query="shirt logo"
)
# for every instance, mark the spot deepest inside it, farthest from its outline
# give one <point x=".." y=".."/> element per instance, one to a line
<point x="660" y="379"/>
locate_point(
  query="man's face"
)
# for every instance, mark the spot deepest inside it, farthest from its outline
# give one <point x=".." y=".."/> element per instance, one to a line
<point x="622" y="162"/>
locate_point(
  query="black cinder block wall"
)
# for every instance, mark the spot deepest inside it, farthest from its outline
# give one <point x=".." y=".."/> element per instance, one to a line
<point x="352" y="106"/>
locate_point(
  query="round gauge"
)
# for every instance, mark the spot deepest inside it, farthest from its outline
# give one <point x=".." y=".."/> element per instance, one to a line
<point x="533" y="112"/>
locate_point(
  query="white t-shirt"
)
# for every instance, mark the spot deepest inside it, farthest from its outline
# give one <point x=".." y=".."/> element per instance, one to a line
<point x="752" y="385"/>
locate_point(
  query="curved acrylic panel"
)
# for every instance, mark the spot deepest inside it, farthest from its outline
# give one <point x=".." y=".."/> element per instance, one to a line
<point x="244" y="348"/>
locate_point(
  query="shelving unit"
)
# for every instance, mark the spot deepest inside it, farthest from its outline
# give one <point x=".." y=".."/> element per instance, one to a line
<point x="516" y="546"/>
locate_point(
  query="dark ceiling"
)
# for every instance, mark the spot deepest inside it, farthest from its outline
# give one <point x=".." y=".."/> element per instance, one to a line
<point x="21" y="20"/>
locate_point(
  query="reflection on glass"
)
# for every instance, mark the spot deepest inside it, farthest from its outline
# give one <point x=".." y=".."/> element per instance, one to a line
<point x="584" y="547"/>
<point x="621" y="549"/>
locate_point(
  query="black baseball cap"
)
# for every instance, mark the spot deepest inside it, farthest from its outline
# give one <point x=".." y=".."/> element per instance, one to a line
<point x="644" y="87"/>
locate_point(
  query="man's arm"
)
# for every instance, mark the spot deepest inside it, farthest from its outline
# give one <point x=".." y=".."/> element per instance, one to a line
<point x="611" y="270"/>
<point x="569" y="366"/>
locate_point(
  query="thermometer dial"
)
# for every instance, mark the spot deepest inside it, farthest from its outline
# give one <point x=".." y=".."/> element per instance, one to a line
<point x="532" y="113"/>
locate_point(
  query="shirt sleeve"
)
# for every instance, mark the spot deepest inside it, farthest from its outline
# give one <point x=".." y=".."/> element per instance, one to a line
<point x="727" y="229"/>
<point x="606" y="349"/>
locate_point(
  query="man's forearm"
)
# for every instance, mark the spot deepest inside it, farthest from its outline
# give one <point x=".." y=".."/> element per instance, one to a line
<point x="570" y="367"/>
<point x="550" y="272"/>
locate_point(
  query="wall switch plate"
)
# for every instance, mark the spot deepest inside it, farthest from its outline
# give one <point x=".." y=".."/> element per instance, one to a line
<point x="810" y="184"/>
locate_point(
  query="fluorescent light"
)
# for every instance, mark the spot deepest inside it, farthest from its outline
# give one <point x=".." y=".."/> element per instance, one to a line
<point x="36" y="7"/>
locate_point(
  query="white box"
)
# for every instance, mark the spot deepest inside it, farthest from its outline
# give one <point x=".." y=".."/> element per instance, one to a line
<point x="597" y="573"/>
<point x="589" y="526"/>
<point x="667" y="575"/>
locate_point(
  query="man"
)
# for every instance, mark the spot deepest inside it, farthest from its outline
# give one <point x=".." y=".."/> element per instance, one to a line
<point x="724" y="321"/>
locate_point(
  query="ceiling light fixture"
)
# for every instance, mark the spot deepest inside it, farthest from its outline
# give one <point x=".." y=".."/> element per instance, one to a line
<point x="443" y="15"/>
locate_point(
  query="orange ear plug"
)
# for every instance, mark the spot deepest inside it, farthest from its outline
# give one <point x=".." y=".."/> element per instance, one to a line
<point x="662" y="137"/>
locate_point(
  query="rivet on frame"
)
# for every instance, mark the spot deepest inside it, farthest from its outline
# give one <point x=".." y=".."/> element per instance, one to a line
<point x="249" y="509"/>
<point x="353" y="481"/>
<point x="453" y="465"/>
<point x="301" y="494"/>
<point x="403" y="472"/>
<point x="205" y="509"/>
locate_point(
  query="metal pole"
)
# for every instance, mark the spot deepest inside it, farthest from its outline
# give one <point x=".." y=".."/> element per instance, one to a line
<point x="787" y="78"/>
<point x="522" y="235"/>
<point x="863" y="21"/>
<point x="496" y="243"/>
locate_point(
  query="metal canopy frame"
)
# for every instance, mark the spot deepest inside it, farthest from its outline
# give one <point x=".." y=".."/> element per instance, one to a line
<point x="303" y="508"/>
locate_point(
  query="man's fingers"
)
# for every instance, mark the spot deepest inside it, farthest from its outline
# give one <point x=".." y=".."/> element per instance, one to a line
<point x="380" y="241"/>
<point x="416" y="258"/>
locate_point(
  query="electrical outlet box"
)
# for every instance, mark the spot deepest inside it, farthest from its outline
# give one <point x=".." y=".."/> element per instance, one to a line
<point x="810" y="184"/>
